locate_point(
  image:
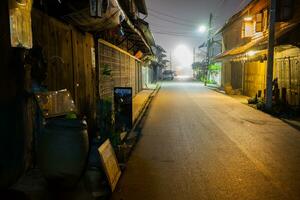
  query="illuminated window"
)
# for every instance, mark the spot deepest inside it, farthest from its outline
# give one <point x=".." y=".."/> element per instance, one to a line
<point x="248" y="29"/>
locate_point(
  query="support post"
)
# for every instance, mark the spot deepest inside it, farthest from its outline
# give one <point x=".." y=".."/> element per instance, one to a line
<point x="271" y="55"/>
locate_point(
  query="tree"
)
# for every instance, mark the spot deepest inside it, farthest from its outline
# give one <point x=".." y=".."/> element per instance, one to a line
<point x="160" y="62"/>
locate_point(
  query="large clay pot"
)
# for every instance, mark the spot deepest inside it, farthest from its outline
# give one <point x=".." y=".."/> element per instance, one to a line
<point x="62" y="151"/>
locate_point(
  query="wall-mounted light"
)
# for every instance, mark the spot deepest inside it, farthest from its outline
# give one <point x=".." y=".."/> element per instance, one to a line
<point x="251" y="53"/>
<point x="248" y="18"/>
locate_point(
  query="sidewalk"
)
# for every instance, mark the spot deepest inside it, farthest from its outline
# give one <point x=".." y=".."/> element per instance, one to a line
<point x="294" y="122"/>
<point x="140" y="100"/>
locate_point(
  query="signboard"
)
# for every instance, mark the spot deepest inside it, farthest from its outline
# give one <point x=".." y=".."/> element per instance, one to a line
<point x="123" y="108"/>
<point x="20" y="23"/>
<point x="110" y="163"/>
<point x="55" y="103"/>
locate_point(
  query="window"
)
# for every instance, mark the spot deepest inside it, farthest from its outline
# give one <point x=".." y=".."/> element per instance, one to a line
<point x="259" y="22"/>
<point x="265" y="19"/>
<point x="248" y="29"/>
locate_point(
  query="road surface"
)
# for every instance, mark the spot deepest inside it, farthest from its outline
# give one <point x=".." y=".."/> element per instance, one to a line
<point x="198" y="144"/>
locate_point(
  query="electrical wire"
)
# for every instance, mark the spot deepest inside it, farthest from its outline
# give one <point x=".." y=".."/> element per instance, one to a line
<point x="240" y="5"/>
<point x="171" y="21"/>
<point x="170" y="16"/>
<point x="175" y="34"/>
<point x="167" y="27"/>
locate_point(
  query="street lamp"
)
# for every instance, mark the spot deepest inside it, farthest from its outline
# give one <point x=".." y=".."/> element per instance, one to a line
<point x="202" y="29"/>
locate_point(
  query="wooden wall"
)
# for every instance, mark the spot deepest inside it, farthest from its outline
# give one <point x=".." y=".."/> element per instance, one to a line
<point x="236" y="75"/>
<point x="255" y="78"/>
<point x="287" y="70"/>
<point x="15" y="107"/>
<point x="69" y="60"/>
<point x="125" y="70"/>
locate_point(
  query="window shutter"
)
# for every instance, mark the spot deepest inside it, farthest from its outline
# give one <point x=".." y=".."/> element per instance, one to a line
<point x="265" y="19"/>
<point x="258" y="22"/>
<point x="284" y="11"/>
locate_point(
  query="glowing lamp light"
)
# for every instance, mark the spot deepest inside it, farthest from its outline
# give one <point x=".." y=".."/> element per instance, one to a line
<point x="183" y="55"/>
<point x="248" y="18"/>
<point x="251" y="53"/>
<point x="202" y="29"/>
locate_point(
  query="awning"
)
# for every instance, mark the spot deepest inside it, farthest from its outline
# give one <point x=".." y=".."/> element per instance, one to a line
<point x="144" y="27"/>
<point x="141" y="5"/>
<point x="137" y="38"/>
<point x="259" y="43"/>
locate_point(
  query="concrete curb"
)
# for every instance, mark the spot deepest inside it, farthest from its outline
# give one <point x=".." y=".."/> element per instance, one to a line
<point x="142" y="111"/>
<point x="293" y="123"/>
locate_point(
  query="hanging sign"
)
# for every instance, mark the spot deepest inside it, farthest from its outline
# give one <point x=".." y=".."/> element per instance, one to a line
<point x="20" y="23"/>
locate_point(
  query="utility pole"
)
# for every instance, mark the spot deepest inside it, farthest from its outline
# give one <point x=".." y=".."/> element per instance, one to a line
<point x="171" y="61"/>
<point x="208" y="48"/>
<point x="194" y="55"/>
<point x="272" y="20"/>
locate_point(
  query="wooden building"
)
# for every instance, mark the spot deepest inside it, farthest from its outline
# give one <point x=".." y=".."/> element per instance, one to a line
<point x="244" y="56"/>
<point x="85" y="49"/>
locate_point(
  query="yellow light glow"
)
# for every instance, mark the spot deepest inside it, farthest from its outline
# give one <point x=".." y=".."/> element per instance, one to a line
<point x="251" y="53"/>
<point x="248" y="18"/>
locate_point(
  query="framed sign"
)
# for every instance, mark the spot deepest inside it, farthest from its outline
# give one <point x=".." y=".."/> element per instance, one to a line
<point x="123" y="108"/>
<point x="55" y="103"/>
<point x="110" y="163"/>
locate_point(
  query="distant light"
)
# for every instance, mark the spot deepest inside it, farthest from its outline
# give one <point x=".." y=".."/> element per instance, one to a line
<point x="202" y="29"/>
<point x="183" y="55"/>
<point x="248" y="18"/>
<point x="251" y="53"/>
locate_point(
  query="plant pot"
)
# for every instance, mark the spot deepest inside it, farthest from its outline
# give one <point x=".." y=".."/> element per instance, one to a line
<point x="62" y="151"/>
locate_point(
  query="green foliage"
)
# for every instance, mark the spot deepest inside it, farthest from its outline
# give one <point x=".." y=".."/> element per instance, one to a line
<point x="196" y="65"/>
<point x="106" y="70"/>
<point x="214" y="67"/>
<point x="161" y="56"/>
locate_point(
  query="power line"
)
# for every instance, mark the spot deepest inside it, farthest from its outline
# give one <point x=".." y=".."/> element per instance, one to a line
<point x="219" y="5"/>
<point x="240" y="5"/>
<point x="170" y="16"/>
<point x="175" y="34"/>
<point x="171" y="21"/>
<point x="164" y="26"/>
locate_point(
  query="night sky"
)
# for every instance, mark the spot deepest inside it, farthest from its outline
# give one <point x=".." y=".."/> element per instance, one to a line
<point x="175" y="22"/>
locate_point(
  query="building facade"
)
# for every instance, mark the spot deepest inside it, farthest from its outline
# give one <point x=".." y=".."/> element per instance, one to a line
<point x="244" y="57"/>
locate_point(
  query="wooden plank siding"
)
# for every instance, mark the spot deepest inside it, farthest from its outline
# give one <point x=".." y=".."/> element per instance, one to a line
<point x="69" y="60"/>
<point x="255" y="78"/>
<point x="287" y="70"/>
<point x="125" y="70"/>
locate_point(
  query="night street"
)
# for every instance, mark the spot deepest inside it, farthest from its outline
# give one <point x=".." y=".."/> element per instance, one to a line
<point x="150" y="100"/>
<point x="200" y="144"/>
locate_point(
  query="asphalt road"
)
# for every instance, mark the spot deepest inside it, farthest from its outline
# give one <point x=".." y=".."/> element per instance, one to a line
<point x="200" y="144"/>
